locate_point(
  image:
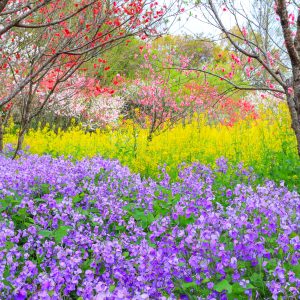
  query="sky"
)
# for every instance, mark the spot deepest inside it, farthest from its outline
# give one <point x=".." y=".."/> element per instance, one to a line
<point x="197" y="24"/>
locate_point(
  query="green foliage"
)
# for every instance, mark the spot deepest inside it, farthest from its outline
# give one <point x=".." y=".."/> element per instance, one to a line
<point x="57" y="234"/>
<point x="123" y="59"/>
<point x="223" y="286"/>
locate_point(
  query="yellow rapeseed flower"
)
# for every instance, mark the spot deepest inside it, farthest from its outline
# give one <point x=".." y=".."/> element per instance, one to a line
<point x="250" y="141"/>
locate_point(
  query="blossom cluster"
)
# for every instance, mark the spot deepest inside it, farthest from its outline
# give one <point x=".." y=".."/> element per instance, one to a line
<point x="91" y="229"/>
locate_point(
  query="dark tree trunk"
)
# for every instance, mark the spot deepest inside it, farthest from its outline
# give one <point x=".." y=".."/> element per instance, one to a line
<point x="294" y="104"/>
<point x="21" y="137"/>
<point x="1" y="134"/>
<point x="25" y="121"/>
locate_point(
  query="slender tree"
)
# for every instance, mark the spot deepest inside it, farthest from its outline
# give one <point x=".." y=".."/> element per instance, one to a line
<point x="265" y="41"/>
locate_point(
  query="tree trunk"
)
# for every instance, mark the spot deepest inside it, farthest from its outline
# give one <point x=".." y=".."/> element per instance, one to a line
<point x="21" y="137"/>
<point x="25" y="120"/>
<point x="296" y="122"/>
<point x="294" y="108"/>
<point x="294" y="103"/>
<point x="297" y="132"/>
<point x="1" y="133"/>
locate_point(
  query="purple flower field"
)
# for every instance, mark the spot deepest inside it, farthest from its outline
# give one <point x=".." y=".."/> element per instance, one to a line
<point x="93" y="230"/>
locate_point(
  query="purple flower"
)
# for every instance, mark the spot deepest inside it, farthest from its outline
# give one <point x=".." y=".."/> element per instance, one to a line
<point x="91" y="227"/>
<point x="21" y="295"/>
<point x="222" y="163"/>
<point x="228" y="193"/>
<point x="210" y="285"/>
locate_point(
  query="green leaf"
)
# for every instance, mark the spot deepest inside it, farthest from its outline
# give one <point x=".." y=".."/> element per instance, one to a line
<point x="184" y="221"/>
<point x="45" y="188"/>
<point x="39" y="200"/>
<point x="9" y="201"/>
<point x="237" y="289"/>
<point x="206" y="280"/>
<point x="60" y="233"/>
<point x="152" y="245"/>
<point x="250" y="286"/>
<point x="83" y="212"/>
<point x="188" y="285"/>
<point x="6" y="272"/>
<point x="296" y="270"/>
<point x="271" y="265"/>
<point x="46" y="233"/>
<point x="165" y="190"/>
<point x="102" y="269"/>
<point x="138" y="214"/>
<point x="128" y="207"/>
<point x="78" y="198"/>
<point x="94" y="210"/>
<point x="9" y="245"/>
<point x="161" y="207"/>
<point x="96" y="179"/>
<point x="7" y="283"/>
<point x="112" y="288"/>
<point x="29" y="221"/>
<point x="39" y="259"/>
<point x="223" y="285"/>
<point x="256" y="277"/>
<point x="86" y="265"/>
<point x="22" y="212"/>
<point x="59" y="198"/>
<point x="4" y="205"/>
<point x="147" y="220"/>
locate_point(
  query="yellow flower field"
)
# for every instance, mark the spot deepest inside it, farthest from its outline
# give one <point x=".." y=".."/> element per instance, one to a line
<point x="253" y="142"/>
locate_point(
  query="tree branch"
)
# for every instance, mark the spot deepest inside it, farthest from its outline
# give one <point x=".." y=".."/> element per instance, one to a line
<point x="240" y="49"/>
<point x="287" y="33"/>
<point x="236" y="86"/>
<point x="22" y="25"/>
<point x="16" y="21"/>
<point x="3" y="4"/>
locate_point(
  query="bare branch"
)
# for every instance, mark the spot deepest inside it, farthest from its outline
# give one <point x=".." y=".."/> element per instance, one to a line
<point x="233" y="84"/>
<point x="241" y="50"/>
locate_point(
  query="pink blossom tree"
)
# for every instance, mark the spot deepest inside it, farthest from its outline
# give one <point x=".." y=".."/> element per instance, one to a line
<point x="152" y="101"/>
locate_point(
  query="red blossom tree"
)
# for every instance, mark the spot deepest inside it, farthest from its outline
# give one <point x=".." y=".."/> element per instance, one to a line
<point x="42" y="37"/>
<point x="225" y="110"/>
